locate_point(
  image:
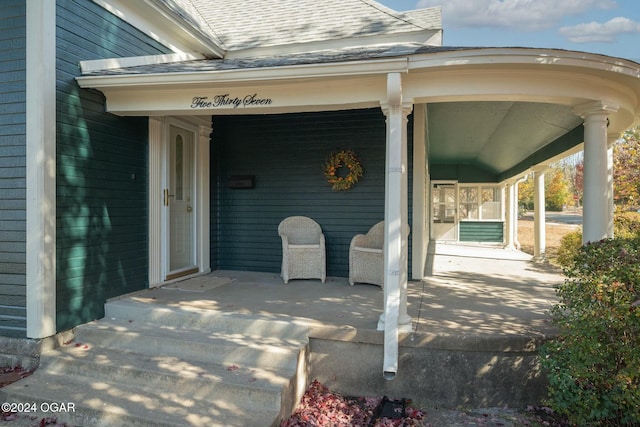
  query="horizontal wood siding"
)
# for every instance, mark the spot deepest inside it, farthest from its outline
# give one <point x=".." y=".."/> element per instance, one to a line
<point x="286" y="154"/>
<point x="13" y="168"/>
<point x="481" y="231"/>
<point x="102" y="219"/>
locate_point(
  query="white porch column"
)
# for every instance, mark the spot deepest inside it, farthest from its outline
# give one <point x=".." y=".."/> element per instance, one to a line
<point x="596" y="205"/>
<point x="395" y="317"/>
<point x="511" y="216"/>
<point x="539" y="212"/>
<point x="611" y="139"/>
<point x="41" y="168"/>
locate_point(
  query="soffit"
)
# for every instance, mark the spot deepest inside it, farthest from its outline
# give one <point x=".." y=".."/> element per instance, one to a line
<point x="494" y="136"/>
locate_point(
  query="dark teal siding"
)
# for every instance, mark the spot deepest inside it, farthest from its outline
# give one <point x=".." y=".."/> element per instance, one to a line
<point x="12" y="169"/>
<point x="102" y="218"/>
<point x="481" y="231"/>
<point x="286" y="154"/>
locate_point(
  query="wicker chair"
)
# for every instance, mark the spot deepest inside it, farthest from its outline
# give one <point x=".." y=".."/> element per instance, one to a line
<point x="303" y="249"/>
<point x="366" y="257"/>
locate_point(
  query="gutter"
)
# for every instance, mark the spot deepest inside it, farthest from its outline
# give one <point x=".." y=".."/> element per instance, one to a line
<point x="209" y="76"/>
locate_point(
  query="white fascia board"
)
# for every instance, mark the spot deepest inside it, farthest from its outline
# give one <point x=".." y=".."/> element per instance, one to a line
<point x="342" y="69"/>
<point x="134" y="61"/>
<point x="526" y="56"/>
<point x="173" y="33"/>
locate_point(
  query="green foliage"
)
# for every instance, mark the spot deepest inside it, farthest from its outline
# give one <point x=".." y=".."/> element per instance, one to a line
<point x="594" y="363"/>
<point x="627" y="225"/>
<point x="626" y="170"/>
<point x="525" y="193"/>
<point x="557" y="193"/>
<point x="569" y="246"/>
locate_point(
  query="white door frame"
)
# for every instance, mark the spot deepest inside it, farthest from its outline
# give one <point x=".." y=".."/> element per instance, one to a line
<point x="456" y="221"/>
<point x="158" y="173"/>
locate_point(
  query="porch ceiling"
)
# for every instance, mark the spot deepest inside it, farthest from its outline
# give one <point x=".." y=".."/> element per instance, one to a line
<point x="494" y="136"/>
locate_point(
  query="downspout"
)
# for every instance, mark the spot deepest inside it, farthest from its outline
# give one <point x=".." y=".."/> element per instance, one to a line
<point x="395" y="216"/>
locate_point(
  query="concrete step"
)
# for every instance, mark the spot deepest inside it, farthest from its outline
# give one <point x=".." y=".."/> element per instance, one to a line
<point x="160" y="366"/>
<point x="108" y="404"/>
<point x="251" y="387"/>
<point x="195" y="345"/>
<point x="126" y="310"/>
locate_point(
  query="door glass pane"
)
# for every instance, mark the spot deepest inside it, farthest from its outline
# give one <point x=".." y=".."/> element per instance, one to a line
<point x="179" y="172"/>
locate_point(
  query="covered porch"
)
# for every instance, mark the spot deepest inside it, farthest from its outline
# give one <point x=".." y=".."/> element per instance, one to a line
<point x="478" y="319"/>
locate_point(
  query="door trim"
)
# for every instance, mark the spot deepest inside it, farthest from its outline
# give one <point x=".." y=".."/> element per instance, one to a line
<point x="158" y="141"/>
<point x="434" y="232"/>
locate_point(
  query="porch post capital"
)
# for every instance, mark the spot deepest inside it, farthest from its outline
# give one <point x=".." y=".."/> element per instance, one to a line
<point x="541" y="168"/>
<point x="395" y="102"/>
<point x="593" y="108"/>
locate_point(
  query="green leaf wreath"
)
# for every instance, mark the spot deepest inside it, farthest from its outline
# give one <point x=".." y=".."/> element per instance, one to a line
<point x="344" y="158"/>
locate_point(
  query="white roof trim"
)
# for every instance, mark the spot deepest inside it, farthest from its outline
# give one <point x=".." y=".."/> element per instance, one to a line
<point x="114" y="63"/>
<point x="173" y="33"/>
<point x="525" y="56"/>
<point x="381" y="66"/>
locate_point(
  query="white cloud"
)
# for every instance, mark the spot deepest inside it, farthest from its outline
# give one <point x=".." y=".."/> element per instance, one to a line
<point x="597" y="32"/>
<point x="525" y="15"/>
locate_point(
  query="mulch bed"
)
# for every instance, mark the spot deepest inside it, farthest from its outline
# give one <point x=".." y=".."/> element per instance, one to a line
<point x="321" y="407"/>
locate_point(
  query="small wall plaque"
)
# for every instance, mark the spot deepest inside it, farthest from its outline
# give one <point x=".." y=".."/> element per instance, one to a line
<point x="242" y="182"/>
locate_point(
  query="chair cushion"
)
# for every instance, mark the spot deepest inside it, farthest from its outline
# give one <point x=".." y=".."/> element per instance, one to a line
<point x="304" y="246"/>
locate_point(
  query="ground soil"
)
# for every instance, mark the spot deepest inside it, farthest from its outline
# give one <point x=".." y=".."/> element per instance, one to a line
<point x="554" y="231"/>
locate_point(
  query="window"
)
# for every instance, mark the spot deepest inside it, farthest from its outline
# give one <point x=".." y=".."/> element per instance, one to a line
<point x="480" y="202"/>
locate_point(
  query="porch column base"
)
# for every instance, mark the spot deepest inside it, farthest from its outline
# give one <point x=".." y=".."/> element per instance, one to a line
<point x="404" y="323"/>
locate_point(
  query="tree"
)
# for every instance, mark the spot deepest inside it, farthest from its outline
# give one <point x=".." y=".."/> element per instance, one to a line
<point x="626" y="170"/>
<point x="525" y="193"/>
<point x="557" y="193"/>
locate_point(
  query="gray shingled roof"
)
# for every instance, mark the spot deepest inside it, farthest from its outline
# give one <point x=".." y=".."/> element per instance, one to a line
<point x="261" y="23"/>
<point x="319" y="57"/>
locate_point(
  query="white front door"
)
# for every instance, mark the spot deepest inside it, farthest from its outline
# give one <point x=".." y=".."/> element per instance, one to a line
<point x="444" y="219"/>
<point x="180" y="202"/>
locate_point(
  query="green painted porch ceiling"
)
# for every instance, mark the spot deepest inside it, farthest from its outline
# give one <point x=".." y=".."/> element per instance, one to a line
<point x="494" y="136"/>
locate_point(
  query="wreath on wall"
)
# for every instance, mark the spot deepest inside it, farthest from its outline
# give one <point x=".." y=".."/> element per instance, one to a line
<point x="337" y="161"/>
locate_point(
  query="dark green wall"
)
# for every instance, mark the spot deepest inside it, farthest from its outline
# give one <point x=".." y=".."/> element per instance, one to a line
<point x="481" y="231"/>
<point x="102" y="219"/>
<point x="286" y="154"/>
<point x="12" y="168"/>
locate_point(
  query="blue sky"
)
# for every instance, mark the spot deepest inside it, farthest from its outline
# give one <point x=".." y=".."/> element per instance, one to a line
<point x="609" y="27"/>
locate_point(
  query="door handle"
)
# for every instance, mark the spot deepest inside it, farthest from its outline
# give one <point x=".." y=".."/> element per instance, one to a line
<point x="166" y="196"/>
<point x="189" y="208"/>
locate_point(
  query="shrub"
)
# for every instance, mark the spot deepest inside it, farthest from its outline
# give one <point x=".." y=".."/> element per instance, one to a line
<point x="627" y="225"/>
<point x="594" y="363"/>
<point x="569" y="245"/>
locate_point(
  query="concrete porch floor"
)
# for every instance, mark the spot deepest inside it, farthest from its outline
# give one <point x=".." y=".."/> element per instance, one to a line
<point x="478" y="318"/>
<point x="469" y="290"/>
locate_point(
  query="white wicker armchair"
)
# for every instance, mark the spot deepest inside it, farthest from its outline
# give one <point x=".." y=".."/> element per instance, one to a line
<point x="366" y="257"/>
<point x="303" y="249"/>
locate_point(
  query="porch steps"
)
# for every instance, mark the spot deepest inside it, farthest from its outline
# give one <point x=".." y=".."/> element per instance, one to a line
<point x="149" y="366"/>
